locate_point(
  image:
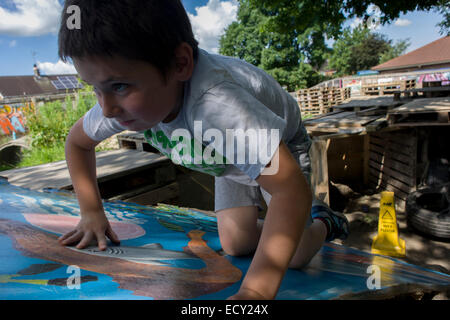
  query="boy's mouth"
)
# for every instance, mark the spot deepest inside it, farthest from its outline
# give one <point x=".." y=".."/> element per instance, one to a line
<point x="126" y="123"/>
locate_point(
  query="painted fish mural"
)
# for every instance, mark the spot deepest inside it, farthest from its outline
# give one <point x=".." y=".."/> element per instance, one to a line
<point x="142" y="279"/>
<point x="166" y="252"/>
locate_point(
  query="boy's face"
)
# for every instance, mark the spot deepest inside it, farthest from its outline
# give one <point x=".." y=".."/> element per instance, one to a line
<point x="130" y="91"/>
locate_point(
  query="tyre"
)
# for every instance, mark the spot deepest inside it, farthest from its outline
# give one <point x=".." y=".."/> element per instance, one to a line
<point x="427" y="210"/>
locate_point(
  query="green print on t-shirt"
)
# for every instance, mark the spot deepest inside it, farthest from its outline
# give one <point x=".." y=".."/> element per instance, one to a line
<point x="166" y="146"/>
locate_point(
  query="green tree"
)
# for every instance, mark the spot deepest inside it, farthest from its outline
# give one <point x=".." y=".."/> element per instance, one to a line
<point x="444" y="9"/>
<point x="361" y="49"/>
<point x="395" y="50"/>
<point x="330" y="15"/>
<point x="291" y="58"/>
<point x="243" y="38"/>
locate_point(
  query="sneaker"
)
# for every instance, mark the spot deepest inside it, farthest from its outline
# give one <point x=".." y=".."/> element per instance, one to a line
<point x="338" y="222"/>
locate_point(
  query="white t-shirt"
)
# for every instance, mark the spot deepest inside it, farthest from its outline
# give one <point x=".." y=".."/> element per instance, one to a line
<point x="226" y="99"/>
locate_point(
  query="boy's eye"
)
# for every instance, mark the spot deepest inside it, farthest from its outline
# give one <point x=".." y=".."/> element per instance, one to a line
<point x="119" y="87"/>
<point x="96" y="91"/>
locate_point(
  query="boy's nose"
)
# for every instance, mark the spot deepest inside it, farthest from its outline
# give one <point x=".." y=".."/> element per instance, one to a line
<point x="109" y="106"/>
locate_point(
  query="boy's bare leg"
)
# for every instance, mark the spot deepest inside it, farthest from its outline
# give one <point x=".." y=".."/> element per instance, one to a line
<point x="240" y="229"/>
<point x="312" y="240"/>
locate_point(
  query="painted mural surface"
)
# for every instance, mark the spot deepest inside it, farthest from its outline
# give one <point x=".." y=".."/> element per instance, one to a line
<point x="12" y="119"/>
<point x="165" y="253"/>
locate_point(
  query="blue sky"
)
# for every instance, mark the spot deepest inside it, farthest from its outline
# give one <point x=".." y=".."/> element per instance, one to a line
<point x="28" y="31"/>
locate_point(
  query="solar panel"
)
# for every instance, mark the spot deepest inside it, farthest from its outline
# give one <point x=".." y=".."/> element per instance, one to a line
<point x="58" y="85"/>
<point x="67" y="82"/>
<point x="68" y="78"/>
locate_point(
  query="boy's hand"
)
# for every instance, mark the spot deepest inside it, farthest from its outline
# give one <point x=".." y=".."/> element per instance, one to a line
<point x="89" y="228"/>
<point x="247" y="294"/>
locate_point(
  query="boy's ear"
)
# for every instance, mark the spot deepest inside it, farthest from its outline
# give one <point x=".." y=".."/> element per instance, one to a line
<point x="184" y="62"/>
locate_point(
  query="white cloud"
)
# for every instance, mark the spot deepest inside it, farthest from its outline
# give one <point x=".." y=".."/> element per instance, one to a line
<point x="356" y="23"/>
<point x="211" y="20"/>
<point x="402" y="22"/>
<point x="32" y="18"/>
<point x="56" y="68"/>
<point x="13" y="43"/>
<point x="373" y="23"/>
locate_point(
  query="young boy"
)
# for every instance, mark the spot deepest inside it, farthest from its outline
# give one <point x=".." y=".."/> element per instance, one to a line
<point x="150" y="76"/>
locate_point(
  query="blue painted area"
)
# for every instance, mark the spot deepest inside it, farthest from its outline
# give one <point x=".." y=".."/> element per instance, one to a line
<point x="335" y="270"/>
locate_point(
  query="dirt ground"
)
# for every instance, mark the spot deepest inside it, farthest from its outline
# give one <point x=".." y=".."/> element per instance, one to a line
<point x="362" y="211"/>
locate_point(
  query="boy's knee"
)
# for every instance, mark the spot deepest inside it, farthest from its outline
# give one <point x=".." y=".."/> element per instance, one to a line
<point x="235" y="247"/>
<point x="299" y="263"/>
<point x="238" y="231"/>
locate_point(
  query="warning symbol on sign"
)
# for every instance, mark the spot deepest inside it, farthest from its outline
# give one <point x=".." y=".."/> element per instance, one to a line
<point x="387" y="216"/>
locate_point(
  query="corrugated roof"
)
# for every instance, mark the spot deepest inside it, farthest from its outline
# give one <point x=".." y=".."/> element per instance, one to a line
<point x="435" y="52"/>
<point x="12" y="86"/>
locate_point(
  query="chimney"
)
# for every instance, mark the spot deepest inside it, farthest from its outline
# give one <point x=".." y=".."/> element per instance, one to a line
<point x="37" y="72"/>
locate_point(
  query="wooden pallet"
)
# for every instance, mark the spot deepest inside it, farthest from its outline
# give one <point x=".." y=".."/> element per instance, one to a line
<point x="392" y="162"/>
<point x="388" y="88"/>
<point x="135" y="141"/>
<point x="316" y="101"/>
<point x="421" y="112"/>
<point x="338" y="121"/>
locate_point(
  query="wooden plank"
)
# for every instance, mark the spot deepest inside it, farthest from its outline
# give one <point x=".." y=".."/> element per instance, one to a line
<point x="423" y="106"/>
<point x="370" y="102"/>
<point x="155" y="196"/>
<point x="374" y="111"/>
<point x="404" y="179"/>
<point x="406" y="159"/>
<point x="409" y="139"/>
<point x="391" y="163"/>
<point x="376" y="125"/>
<point x="394" y="153"/>
<point x="336" y="134"/>
<point x="343" y="120"/>
<point x="319" y="169"/>
<point x="399" y="194"/>
<point x="110" y="165"/>
<point x="322" y="116"/>
<point x="406" y="148"/>
<point x="420" y="119"/>
<point x="366" y="157"/>
<point x="385" y="180"/>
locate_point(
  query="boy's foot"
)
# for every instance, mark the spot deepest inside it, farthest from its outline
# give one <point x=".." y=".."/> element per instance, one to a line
<point x="336" y="222"/>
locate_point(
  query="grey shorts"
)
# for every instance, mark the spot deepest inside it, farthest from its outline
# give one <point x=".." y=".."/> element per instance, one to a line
<point x="231" y="194"/>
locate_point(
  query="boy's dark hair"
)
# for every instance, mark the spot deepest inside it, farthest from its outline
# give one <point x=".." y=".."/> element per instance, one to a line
<point x="148" y="30"/>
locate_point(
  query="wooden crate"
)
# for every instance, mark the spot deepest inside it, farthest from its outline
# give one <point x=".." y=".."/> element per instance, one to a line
<point x="392" y="162"/>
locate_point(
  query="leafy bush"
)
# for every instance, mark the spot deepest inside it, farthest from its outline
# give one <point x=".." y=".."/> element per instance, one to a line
<point x="50" y="124"/>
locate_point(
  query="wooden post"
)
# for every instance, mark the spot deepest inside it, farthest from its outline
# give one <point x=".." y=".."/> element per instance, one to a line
<point x="319" y="169"/>
<point x="366" y="159"/>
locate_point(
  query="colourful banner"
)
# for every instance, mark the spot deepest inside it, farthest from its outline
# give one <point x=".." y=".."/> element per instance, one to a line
<point x="434" y="77"/>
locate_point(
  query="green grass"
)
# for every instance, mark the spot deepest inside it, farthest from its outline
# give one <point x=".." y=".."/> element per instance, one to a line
<point x="37" y="156"/>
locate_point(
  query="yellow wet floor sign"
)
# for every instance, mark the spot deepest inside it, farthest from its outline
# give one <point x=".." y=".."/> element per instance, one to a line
<point x="387" y="242"/>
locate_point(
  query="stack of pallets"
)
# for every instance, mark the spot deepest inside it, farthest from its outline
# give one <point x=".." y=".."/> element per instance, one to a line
<point x="316" y="101"/>
<point x="381" y="89"/>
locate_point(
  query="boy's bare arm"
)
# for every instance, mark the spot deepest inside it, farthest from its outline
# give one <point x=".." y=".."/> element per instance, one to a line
<point x="80" y="157"/>
<point x="283" y="227"/>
